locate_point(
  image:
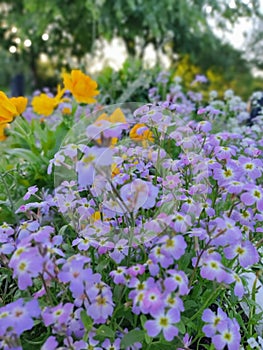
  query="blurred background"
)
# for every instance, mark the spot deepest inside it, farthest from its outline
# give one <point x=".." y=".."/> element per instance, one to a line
<point x="117" y="41"/>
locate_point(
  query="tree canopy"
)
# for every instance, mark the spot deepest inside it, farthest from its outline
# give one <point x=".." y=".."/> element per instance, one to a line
<point x="72" y="28"/>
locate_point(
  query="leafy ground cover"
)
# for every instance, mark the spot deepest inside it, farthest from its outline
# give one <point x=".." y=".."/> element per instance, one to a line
<point x="130" y="226"/>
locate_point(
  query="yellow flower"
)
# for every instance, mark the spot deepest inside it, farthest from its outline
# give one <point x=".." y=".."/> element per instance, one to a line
<point x="20" y="103"/>
<point x="140" y="132"/>
<point x="45" y="105"/>
<point x="82" y="87"/>
<point x="2" y="131"/>
<point x="114" y="170"/>
<point x="95" y="216"/>
<point x="66" y="111"/>
<point x="7" y="109"/>
<point x="116" y="117"/>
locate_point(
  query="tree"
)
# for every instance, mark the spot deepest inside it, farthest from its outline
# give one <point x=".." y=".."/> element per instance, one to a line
<point x="74" y="26"/>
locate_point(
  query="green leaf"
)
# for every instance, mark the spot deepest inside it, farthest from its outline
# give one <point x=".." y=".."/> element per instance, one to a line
<point x="105" y="332"/>
<point x="87" y="321"/>
<point x="143" y="319"/>
<point x="132" y="337"/>
<point x="181" y="327"/>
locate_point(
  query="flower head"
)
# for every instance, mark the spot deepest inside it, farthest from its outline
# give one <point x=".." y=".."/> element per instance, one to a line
<point x="45" y="105"/>
<point x="82" y="87"/>
<point x="9" y="109"/>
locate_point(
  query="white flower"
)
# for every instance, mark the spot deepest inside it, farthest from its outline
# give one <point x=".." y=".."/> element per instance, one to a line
<point x="252" y="343"/>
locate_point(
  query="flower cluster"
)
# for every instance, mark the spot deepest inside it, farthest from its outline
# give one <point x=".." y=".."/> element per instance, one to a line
<point x="150" y="235"/>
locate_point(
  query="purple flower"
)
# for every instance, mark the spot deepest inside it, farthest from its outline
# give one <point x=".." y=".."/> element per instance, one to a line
<point x="107" y="345"/>
<point x="157" y="256"/>
<point x="239" y="290"/>
<point x="212" y="320"/>
<point x="172" y="181"/>
<point x="199" y="78"/>
<point x="253" y="194"/>
<point x="226" y="231"/>
<point x="204" y="126"/>
<point x="225" y="153"/>
<point x="181" y="223"/>
<point x="18" y="316"/>
<point x="101" y="308"/>
<point x="26" y="264"/>
<point x="228" y="335"/>
<point x="174" y="303"/>
<point x="252" y="167"/>
<point x="152" y="301"/>
<point x="235" y="187"/>
<point x="75" y="273"/>
<point x="245" y="251"/>
<point x="136" y="270"/>
<point x="163" y="322"/>
<point x="139" y="194"/>
<point x="70" y="150"/>
<point x="173" y="246"/>
<point x="119" y="275"/>
<point x="229" y="172"/>
<point x="120" y="251"/>
<point x="213" y="269"/>
<point x="31" y="190"/>
<point x="93" y="158"/>
<point x="178" y="280"/>
<point x="50" y="344"/>
<point x="58" y="315"/>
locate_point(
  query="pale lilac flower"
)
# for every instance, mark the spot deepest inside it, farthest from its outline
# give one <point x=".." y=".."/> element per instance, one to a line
<point x="213" y="269"/>
<point x="229" y="172"/>
<point x="152" y="301"/>
<point x="199" y="78"/>
<point x="245" y="252"/>
<point x="163" y="322"/>
<point x="107" y="345"/>
<point x="177" y="281"/>
<point x="235" y="187"/>
<point x="120" y="251"/>
<point x="228" y="335"/>
<point x="172" y="181"/>
<point x="18" y="316"/>
<point x="118" y="275"/>
<point x="252" y="167"/>
<point x="253" y="194"/>
<point x="173" y="246"/>
<point x="30" y="191"/>
<point x="50" y="344"/>
<point x="58" y="316"/>
<point x="70" y="150"/>
<point x="26" y="266"/>
<point x="101" y="308"/>
<point x="181" y="222"/>
<point x="212" y="320"/>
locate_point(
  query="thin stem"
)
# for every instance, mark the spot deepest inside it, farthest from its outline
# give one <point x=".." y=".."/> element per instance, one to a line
<point x="212" y="296"/>
<point x="7" y="191"/>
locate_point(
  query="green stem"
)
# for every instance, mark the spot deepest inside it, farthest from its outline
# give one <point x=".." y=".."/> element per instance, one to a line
<point x="212" y="296"/>
<point x="253" y="307"/>
<point x="7" y="192"/>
